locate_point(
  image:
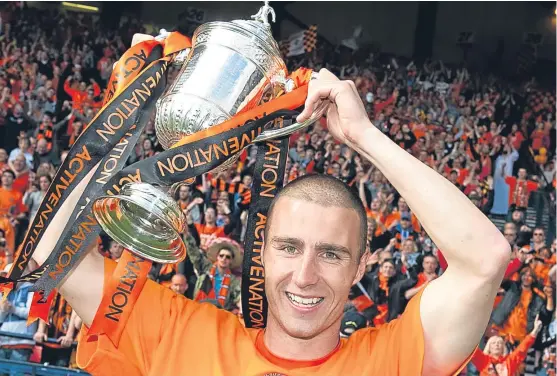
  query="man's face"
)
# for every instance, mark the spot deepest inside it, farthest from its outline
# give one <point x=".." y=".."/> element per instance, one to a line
<point x="408" y="246"/>
<point x="210" y="215"/>
<point x="224" y="258"/>
<point x="184" y="192"/>
<point x="115" y="250"/>
<point x="404" y="223"/>
<point x="429" y="264"/>
<point x="402" y="205"/>
<point x="539" y="236"/>
<point x="3" y="155"/>
<point x="527" y="279"/>
<point x="19" y="163"/>
<point x="522" y="173"/>
<point x="336" y="170"/>
<point x="517" y="216"/>
<point x="387" y="269"/>
<point x="247" y="180"/>
<point x="310" y="265"/>
<point x="23" y="144"/>
<point x="179" y="284"/>
<point x="300" y="143"/>
<point x="510" y="235"/>
<point x="7" y="180"/>
<point x="41" y="146"/>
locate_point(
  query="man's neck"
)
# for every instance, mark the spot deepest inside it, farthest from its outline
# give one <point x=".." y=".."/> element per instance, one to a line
<point x="8" y="187"/>
<point x="221" y="270"/>
<point x="284" y="346"/>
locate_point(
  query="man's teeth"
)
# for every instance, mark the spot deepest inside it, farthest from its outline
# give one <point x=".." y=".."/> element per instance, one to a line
<point x="307" y="302"/>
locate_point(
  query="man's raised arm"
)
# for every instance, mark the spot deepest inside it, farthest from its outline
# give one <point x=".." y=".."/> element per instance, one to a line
<point x="456" y="307"/>
<point x="82" y="288"/>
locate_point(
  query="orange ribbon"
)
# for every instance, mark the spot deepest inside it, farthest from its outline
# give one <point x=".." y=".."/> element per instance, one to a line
<point x="119" y="296"/>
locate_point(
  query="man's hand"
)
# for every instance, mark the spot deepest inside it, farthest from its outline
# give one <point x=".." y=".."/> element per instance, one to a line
<point x="346" y="115"/>
<point x="197" y="201"/>
<point x="65" y="341"/>
<point x="6" y="307"/>
<point x="39" y="337"/>
<point x="537" y="327"/>
<point x="548" y="291"/>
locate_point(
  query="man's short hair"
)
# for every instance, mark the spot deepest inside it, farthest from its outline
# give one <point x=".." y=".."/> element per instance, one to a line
<point x="326" y="191"/>
<point x="9" y="172"/>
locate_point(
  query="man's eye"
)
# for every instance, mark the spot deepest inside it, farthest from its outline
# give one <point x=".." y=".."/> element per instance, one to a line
<point x="331" y="256"/>
<point x="289" y="249"/>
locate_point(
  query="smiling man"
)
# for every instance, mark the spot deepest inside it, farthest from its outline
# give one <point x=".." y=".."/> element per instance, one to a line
<point x="314" y="252"/>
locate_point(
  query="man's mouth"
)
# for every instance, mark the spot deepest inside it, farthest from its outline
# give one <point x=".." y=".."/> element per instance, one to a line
<point x="300" y="301"/>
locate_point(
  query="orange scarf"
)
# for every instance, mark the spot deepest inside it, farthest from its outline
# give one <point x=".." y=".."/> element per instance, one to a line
<point x="210" y="294"/>
<point x="384" y="283"/>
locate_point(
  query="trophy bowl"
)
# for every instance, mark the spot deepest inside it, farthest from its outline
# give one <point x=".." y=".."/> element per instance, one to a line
<point x="144" y="220"/>
<point x="230" y="68"/>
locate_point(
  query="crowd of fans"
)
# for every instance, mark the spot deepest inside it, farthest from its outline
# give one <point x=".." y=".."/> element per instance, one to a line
<point x="494" y="140"/>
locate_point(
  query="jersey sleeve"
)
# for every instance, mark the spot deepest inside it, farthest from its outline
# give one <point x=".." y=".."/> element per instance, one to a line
<point x="158" y="312"/>
<point x="400" y="345"/>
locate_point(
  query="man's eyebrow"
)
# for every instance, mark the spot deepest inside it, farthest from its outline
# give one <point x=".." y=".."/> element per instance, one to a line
<point x="324" y="246"/>
<point x="288" y="240"/>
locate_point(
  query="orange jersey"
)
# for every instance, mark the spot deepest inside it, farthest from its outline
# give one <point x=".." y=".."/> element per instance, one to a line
<point x="206" y="232"/>
<point x="168" y="334"/>
<point x="11" y="202"/>
<point x="395" y="216"/>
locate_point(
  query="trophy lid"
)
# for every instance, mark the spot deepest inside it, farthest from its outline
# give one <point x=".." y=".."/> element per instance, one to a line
<point x="257" y="30"/>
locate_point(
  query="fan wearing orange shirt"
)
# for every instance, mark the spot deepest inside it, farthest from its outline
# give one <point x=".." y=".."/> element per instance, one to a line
<point x="495" y="359"/>
<point x="11" y="203"/>
<point x="314" y="251"/>
<point x="520" y="189"/>
<point x="394" y="218"/>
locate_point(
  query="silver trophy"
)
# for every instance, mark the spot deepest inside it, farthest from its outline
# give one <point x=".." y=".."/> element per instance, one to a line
<point x="232" y="67"/>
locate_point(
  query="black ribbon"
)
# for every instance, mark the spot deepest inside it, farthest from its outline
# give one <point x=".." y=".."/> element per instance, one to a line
<point x="268" y="179"/>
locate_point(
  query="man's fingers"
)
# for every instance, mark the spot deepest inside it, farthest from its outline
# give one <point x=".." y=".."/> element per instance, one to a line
<point x="327" y="75"/>
<point x="138" y="38"/>
<point x="317" y="91"/>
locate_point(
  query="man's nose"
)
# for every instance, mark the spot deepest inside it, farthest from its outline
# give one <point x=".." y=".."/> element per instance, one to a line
<point x="307" y="271"/>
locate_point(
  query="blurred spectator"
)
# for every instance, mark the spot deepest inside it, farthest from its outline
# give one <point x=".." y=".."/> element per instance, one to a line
<point x="216" y="280"/>
<point x="13" y="317"/>
<point x="33" y="197"/>
<point x="496" y="359"/>
<point x="179" y="284"/>
<point x="519" y="190"/>
<point x="351" y="322"/>
<point x="523" y="301"/>
<point x="61" y="326"/>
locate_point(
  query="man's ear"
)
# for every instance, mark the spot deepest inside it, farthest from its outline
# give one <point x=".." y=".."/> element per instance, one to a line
<point x="362" y="266"/>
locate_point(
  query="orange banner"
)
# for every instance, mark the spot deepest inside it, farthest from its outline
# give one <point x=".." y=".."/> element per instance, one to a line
<point x="40" y="307"/>
<point x="119" y="296"/>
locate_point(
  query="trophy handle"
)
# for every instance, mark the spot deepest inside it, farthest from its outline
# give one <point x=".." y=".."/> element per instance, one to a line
<point x="277" y="133"/>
